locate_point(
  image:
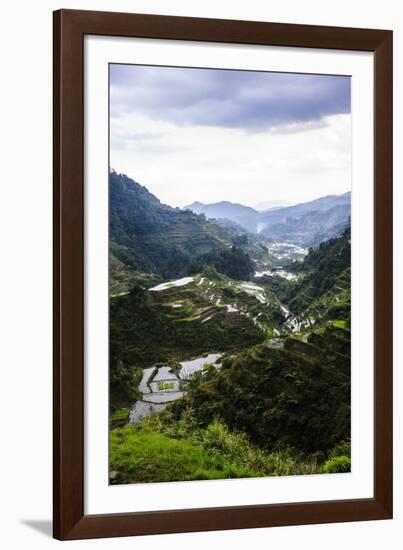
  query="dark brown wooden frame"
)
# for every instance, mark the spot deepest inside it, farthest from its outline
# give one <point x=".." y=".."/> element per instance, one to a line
<point x="70" y="27"/>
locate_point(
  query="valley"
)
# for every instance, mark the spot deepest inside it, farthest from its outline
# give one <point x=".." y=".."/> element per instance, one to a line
<point x="229" y="348"/>
<point x="306" y="224"/>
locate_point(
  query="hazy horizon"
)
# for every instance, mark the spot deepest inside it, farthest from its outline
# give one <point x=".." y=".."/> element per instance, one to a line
<point x="258" y="207"/>
<point x="246" y="137"/>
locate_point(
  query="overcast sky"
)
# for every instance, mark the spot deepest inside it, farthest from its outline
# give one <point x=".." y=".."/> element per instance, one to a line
<point x="243" y="136"/>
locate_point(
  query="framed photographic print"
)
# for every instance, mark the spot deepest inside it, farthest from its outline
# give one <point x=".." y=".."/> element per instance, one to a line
<point x="222" y="274"/>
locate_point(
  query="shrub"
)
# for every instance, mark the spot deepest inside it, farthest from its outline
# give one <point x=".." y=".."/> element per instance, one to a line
<point x="231" y="447"/>
<point x="337" y="465"/>
<point x="120" y="414"/>
<point x="343" y="448"/>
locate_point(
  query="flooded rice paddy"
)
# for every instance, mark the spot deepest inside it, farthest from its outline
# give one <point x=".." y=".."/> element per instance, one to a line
<point x="162" y="386"/>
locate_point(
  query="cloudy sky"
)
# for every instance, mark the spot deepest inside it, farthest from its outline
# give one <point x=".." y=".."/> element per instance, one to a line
<point x="243" y="136"/>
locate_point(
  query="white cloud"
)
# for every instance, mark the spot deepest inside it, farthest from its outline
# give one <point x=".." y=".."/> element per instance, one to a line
<point x="181" y="164"/>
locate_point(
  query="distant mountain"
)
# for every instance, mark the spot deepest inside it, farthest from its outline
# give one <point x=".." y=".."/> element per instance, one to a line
<point x="305" y="224"/>
<point x="196" y="207"/>
<point x="245" y="216"/>
<point x="312" y="228"/>
<point x="298" y="210"/>
<point x="310" y="223"/>
<point x="271" y="205"/>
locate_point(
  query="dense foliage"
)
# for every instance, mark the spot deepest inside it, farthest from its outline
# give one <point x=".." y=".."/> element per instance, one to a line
<point x="148" y="236"/>
<point x="167" y="449"/>
<point x="337" y="465"/>
<point x="145" y="329"/>
<point x="233" y="262"/>
<point x="319" y="272"/>
<point x="298" y="396"/>
<point x="123" y="383"/>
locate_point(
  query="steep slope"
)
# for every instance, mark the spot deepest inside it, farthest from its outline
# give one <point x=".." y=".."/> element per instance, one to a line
<point x="320" y="296"/>
<point x="319" y="272"/>
<point x="297" y="396"/>
<point x="232" y="262"/>
<point x="179" y="320"/>
<point x="334" y="306"/>
<point x="147" y="236"/>
<point x="323" y="268"/>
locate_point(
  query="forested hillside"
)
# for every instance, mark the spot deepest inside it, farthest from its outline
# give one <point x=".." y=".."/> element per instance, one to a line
<point x="147" y="236"/>
<point x="296" y="396"/>
<point x="320" y="271"/>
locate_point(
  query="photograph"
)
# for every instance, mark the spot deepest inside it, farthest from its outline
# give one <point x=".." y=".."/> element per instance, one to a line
<point x="202" y="289"/>
<point x="229" y="274"/>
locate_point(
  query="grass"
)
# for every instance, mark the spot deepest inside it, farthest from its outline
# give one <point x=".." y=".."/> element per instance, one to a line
<point x="189" y="319"/>
<point x="159" y="450"/>
<point x="120" y="415"/>
<point x="165" y="385"/>
<point x="207" y="366"/>
<point x="339" y="324"/>
<point x="144" y="456"/>
<point x="337" y="465"/>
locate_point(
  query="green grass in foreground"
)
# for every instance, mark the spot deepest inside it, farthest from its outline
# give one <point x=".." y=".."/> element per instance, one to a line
<point x="148" y="456"/>
<point x="337" y="465"/>
<point x="159" y="450"/>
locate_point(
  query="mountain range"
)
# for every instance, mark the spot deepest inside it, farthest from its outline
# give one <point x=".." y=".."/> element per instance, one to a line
<point x="305" y="224"/>
<point x="245" y="216"/>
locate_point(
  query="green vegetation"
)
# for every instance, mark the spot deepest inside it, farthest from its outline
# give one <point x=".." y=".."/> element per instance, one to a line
<point x="232" y="262"/>
<point x="120" y="415"/>
<point x="147" y="236"/>
<point x="339" y="323"/>
<point x="146" y="456"/>
<point x="298" y="396"/>
<point x="145" y="329"/>
<point x="322" y="294"/>
<point x="334" y="306"/>
<point x="122" y="278"/>
<point x="163" y="449"/>
<point x="321" y="268"/>
<point x="123" y="384"/>
<point x="279" y="401"/>
<point x="165" y="385"/>
<point x="338" y="464"/>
